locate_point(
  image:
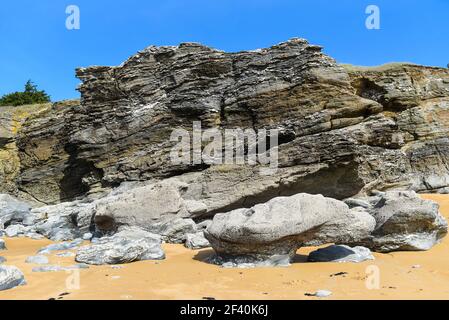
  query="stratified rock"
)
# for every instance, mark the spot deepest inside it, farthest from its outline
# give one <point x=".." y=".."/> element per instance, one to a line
<point x="37" y="260"/>
<point x="48" y="269"/>
<point x="124" y="247"/>
<point x="196" y="241"/>
<point x="343" y="130"/>
<point x="281" y="226"/>
<point x="12" y="119"/>
<point x="405" y="222"/>
<point x="57" y="268"/>
<point x="61" y="246"/>
<point x="341" y="253"/>
<point x="10" y="277"/>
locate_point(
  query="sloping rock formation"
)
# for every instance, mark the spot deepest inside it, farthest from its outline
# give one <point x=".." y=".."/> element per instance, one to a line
<point x="343" y="130"/>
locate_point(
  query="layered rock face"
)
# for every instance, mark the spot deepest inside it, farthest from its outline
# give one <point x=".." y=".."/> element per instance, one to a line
<point x="343" y="130"/>
<point x="97" y="166"/>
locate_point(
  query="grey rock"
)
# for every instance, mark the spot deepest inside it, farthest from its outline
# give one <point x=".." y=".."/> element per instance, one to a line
<point x="37" y="260"/>
<point x="204" y="224"/>
<point x="174" y="231"/>
<point x="196" y="241"/>
<point x="354" y="203"/>
<point x="60" y="222"/>
<point x="141" y="206"/>
<point x="195" y="208"/>
<point x="61" y="246"/>
<point x="337" y="140"/>
<point x="56" y="268"/>
<point x="405" y="222"/>
<point x="78" y="266"/>
<point x="282" y="225"/>
<point x="42" y="269"/>
<point x="34" y="236"/>
<point x="65" y="254"/>
<point x="2" y="244"/>
<point x="16" y="230"/>
<point x="12" y="210"/>
<point x="341" y="253"/>
<point x="2" y="260"/>
<point x="11" y="277"/>
<point x="124" y="247"/>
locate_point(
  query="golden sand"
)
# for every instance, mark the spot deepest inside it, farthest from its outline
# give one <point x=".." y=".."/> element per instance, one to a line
<point x="184" y="276"/>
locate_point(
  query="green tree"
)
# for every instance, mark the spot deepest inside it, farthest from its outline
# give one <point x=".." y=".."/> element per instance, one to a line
<point x="31" y="95"/>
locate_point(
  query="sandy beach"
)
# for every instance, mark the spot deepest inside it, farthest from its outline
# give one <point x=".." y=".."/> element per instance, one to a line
<point x="183" y="275"/>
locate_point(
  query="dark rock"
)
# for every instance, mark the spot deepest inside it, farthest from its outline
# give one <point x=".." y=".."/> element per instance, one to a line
<point x="341" y="253"/>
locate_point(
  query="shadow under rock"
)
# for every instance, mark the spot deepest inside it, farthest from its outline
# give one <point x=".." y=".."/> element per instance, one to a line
<point x="207" y="256"/>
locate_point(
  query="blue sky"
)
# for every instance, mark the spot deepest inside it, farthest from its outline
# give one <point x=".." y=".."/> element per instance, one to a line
<point x="35" y="43"/>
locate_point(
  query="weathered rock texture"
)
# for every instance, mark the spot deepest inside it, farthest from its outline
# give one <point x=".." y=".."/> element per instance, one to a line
<point x="10" y="277"/>
<point x="344" y="130"/>
<point x="283" y="225"/>
<point x="404" y="222"/>
<point x="124" y="247"/>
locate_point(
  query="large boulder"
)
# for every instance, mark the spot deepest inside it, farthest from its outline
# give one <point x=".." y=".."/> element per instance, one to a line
<point x="125" y="246"/>
<point x="10" y="277"/>
<point x="405" y="222"/>
<point x="149" y="206"/>
<point x="282" y="225"/>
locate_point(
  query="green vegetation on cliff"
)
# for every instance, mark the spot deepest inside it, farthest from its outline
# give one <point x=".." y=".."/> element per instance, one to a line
<point x="30" y="96"/>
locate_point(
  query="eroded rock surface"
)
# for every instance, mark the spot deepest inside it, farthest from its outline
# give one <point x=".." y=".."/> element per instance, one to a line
<point x="405" y="222"/>
<point x="124" y="247"/>
<point x="10" y="277"/>
<point x="343" y="130"/>
<point x="281" y="226"/>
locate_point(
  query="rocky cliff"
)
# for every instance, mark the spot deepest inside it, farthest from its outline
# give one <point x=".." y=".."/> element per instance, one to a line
<point x="344" y="130"/>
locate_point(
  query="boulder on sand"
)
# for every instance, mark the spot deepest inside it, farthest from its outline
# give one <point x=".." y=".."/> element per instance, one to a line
<point x="10" y="277"/>
<point x="405" y="222"/>
<point x="341" y="253"/>
<point x="282" y="225"/>
<point x="125" y="246"/>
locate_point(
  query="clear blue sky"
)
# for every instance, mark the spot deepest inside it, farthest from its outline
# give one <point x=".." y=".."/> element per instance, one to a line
<point x="35" y="43"/>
